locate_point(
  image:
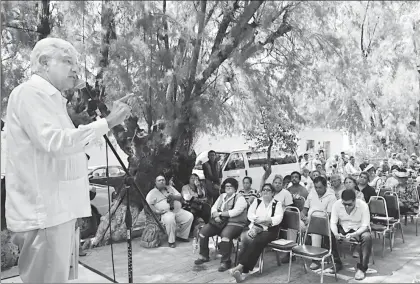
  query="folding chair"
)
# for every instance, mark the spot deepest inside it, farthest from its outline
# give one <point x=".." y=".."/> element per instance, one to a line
<point x="414" y="215"/>
<point x="380" y="221"/>
<point x="393" y="208"/>
<point x="319" y="225"/>
<point x="291" y="220"/>
<point x="238" y="242"/>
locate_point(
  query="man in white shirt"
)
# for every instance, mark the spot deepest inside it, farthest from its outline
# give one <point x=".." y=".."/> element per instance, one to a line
<point x="323" y="199"/>
<point x="350" y="219"/>
<point x="351" y="168"/>
<point x="306" y="180"/>
<point x="46" y="168"/>
<point x="177" y="221"/>
<point x="306" y="163"/>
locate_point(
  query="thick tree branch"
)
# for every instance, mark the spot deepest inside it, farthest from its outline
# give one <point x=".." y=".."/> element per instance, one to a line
<point x="165" y="26"/>
<point x="235" y="38"/>
<point x="224" y="24"/>
<point x="362" y="48"/>
<point x="196" y="51"/>
<point x="211" y="13"/>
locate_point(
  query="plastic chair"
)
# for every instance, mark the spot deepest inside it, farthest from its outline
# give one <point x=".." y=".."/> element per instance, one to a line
<point x="291" y="220"/>
<point x="380" y="221"/>
<point x="393" y="208"/>
<point x="319" y="225"/>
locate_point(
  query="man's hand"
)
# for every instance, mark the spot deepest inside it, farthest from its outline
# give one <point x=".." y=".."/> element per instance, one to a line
<point x="214" y="214"/>
<point x="218" y="220"/>
<point x="119" y="111"/>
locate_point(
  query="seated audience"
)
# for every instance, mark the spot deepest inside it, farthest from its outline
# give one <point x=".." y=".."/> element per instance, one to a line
<point x="350" y="219"/>
<point x="265" y="215"/>
<point x="194" y="196"/>
<point x="306" y="180"/>
<point x="166" y="201"/>
<point x="351" y="183"/>
<point x="296" y="189"/>
<point x="322" y="198"/>
<point x="392" y="181"/>
<point x="364" y="186"/>
<point x="247" y="191"/>
<point x="228" y="218"/>
<point x="407" y="193"/>
<point x="337" y="185"/>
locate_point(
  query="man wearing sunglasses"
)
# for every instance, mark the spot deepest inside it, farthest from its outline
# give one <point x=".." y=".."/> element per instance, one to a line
<point x="350" y="219"/>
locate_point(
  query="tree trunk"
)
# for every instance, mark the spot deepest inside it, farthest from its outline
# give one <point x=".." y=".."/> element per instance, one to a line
<point x="44" y="27"/>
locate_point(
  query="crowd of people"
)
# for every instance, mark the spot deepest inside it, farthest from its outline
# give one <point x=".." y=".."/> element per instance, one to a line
<point x="231" y="210"/>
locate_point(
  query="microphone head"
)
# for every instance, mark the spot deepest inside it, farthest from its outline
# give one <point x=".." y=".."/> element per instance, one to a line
<point x="80" y="84"/>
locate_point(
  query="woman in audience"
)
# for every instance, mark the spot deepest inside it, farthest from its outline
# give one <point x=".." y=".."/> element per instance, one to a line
<point x="351" y="183"/>
<point x="247" y="191"/>
<point x="265" y="215"/>
<point x="407" y="193"/>
<point x="228" y="218"/>
<point x="196" y="202"/>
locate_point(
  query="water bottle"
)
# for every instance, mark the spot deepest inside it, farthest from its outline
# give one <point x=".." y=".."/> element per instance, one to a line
<point x="195" y="244"/>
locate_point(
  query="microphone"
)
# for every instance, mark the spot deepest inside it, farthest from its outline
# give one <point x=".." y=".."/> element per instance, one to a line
<point x="80" y="84"/>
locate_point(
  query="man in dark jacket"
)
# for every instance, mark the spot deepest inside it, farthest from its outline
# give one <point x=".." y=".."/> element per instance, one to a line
<point x="211" y="171"/>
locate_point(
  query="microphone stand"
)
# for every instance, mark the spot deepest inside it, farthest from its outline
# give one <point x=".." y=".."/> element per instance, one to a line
<point x="129" y="225"/>
<point x="128" y="217"/>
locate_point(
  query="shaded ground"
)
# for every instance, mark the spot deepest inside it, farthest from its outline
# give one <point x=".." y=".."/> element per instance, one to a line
<point x="164" y="264"/>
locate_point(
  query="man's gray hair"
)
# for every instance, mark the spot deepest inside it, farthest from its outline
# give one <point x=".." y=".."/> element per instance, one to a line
<point x="49" y="47"/>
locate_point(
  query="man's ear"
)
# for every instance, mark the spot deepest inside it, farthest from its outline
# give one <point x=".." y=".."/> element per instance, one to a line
<point x="43" y="60"/>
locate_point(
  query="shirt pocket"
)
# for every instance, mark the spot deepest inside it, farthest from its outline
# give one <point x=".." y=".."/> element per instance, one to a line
<point x="70" y="190"/>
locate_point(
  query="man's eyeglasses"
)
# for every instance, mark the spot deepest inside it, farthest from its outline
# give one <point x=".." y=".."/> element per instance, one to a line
<point x="266" y="189"/>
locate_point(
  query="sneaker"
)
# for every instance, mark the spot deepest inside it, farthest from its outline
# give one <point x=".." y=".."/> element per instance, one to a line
<point x="315" y="265"/>
<point x="201" y="261"/>
<point x="239" y="277"/>
<point x="360" y="275"/>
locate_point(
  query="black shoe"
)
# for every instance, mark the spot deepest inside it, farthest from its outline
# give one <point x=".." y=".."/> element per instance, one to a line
<point x="182" y="240"/>
<point x="224" y="266"/>
<point x="82" y="253"/>
<point x="201" y="261"/>
<point x="172" y="245"/>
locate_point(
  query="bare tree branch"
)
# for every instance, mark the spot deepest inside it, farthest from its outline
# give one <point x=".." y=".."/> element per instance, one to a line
<point x="224" y="24"/>
<point x="196" y="52"/>
<point x="235" y="36"/>
<point x="362" y="48"/>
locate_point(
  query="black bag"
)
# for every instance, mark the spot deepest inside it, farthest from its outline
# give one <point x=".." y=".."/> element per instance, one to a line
<point x="223" y="220"/>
